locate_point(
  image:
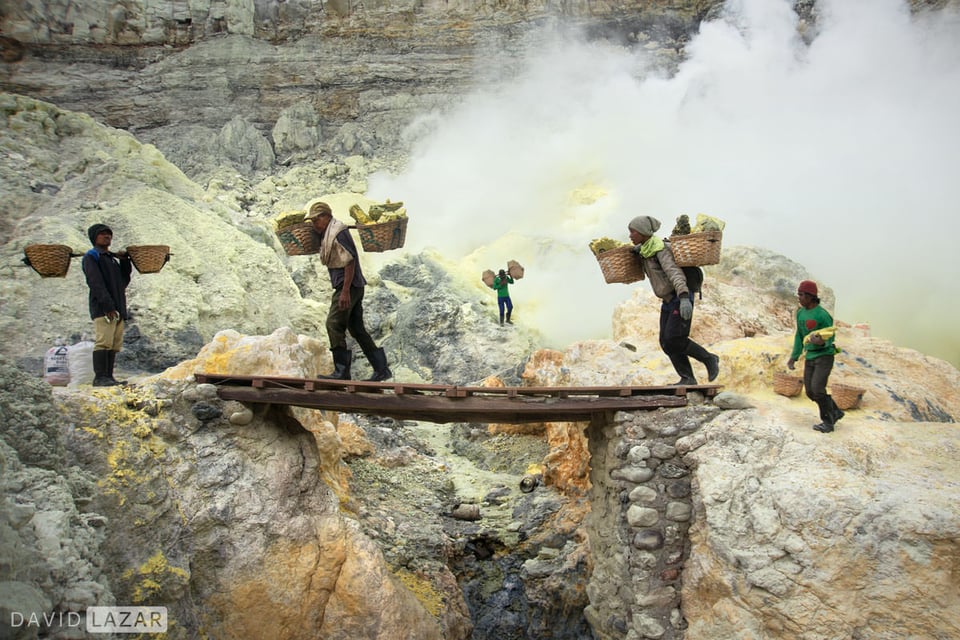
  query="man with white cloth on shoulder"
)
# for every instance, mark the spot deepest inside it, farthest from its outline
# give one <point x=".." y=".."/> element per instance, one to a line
<point x="669" y="283"/>
<point x="338" y="253"/>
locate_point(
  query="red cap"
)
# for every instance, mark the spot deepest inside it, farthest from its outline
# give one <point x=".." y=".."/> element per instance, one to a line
<point x="808" y="286"/>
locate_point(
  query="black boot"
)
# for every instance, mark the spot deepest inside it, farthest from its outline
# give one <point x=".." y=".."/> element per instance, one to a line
<point x="509" y="321"/>
<point x="710" y="360"/>
<point x="342" y="357"/>
<point x="837" y="412"/>
<point x="681" y="364"/>
<point x="101" y="369"/>
<point x="378" y="360"/>
<point x="111" y="360"/>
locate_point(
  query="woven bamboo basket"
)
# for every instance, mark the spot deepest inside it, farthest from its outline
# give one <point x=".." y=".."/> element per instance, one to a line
<point x="787" y="385"/>
<point x="620" y="265"/>
<point x="299" y="239"/>
<point x="697" y="249"/>
<point x="846" y="396"/>
<point x="149" y="258"/>
<point x="514" y="269"/>
<point x="49" y="260"/>
<point x="383" y="236"/>
<point x="488" y="277"/>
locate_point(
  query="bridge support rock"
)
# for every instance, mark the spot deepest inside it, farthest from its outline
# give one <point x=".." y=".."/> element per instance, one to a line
<point x="641" y="506"/>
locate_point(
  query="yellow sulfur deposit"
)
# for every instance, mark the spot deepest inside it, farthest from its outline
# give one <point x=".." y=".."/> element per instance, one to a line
<point x="378" y="213"/>
<point x="358" y="214"/>
<point x="600" y="245"/>
<point x="288" y="219"/>
<point x="707" y="223"/>
<point x="826" y="333"/>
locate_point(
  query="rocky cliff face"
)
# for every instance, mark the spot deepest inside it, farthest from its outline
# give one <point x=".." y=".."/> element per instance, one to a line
<point x="708" y="522"/>
<point x="254" y="85"/>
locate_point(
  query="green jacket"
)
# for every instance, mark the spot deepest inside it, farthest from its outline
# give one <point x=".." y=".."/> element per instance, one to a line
<point x="501" y="286"/>
<point x="808" y="321"/>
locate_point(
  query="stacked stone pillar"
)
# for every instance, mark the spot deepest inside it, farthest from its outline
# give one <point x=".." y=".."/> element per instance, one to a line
<point x="640" y="512"/>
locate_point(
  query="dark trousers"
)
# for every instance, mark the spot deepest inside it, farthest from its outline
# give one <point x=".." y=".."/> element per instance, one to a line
<point x="505" y="302"/>
<point x="816" y="372"/>
<point x="340" y="321"/>
<point x="675" y="339"/>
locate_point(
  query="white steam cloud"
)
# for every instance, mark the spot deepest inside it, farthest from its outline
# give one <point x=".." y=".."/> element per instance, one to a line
<point x="841" y="154"/>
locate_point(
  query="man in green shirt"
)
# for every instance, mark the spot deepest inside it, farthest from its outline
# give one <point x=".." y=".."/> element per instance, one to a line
<point x="820" y="352"/>
<point x="500" y="284"/>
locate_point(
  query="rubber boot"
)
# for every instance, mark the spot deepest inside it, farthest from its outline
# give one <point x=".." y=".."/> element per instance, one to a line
<point x="342" y="357"/>
<point x="111" y="360"/>
<point x="378" y="360"/>
<point x="836" y="412"/>
<point x="509" y="321"/>
<point x="681" y="364"/>
<point x="710" y="360"/>
<point x="101" y="368"/>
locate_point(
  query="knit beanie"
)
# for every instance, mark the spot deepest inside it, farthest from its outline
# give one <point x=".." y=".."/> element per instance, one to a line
<point x="644" y="225"/>
<point x="94" y="230"/>
<point x="808" y="286"/>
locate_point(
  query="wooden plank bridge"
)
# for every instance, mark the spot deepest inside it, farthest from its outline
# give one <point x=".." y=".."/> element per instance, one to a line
<point x="451" y="403"/>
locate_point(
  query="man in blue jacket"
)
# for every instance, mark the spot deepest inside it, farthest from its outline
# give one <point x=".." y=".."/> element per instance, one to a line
<point x="108" y="275"/>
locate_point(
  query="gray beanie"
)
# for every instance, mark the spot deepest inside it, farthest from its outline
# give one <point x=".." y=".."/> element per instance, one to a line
<point x="644" y="225"/>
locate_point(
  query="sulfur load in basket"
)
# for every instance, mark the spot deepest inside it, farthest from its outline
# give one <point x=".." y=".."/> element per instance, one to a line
<point x="383" y="227"/>
<point x="296" y="236"/>
<point x="787" y="385"/>
<point x="149" y="258"/>
<point x="846" y="396"/>
<point x="699" y="245"/>
<point x="49" y="260"/>
<point x="618" y="262"/>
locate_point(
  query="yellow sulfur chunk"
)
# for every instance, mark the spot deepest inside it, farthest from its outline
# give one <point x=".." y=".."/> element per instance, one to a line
<point x="600" y="245"/>
<point x="357" y="214"/>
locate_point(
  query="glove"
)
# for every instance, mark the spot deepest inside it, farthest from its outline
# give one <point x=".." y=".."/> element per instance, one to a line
<point x="686" y="308"/>
<point x="791" y="363"/>
<point x="816" y="339"/>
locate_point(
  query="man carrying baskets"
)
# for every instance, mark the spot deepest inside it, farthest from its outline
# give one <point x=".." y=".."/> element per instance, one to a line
<point x="676" y="311"/>
<point x="339" y="254"/>
<point x="107" y="275"/>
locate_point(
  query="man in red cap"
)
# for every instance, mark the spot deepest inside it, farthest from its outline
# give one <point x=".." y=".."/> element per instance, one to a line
<point x="820" y="352"/>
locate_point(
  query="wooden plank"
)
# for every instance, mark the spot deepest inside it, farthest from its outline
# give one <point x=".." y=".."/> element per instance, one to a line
<point x="358" y="386"/>
<point x="445" y="409"/>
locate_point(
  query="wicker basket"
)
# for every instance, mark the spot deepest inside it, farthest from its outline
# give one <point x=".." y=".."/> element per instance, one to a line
<point x="149" y="258"/>
<point x="787" y="385"/>
<point x="383" y="236"/>
<point x="514" y="269"/>
<point x="299" y="239"/>
<point x="49" y="260"/>
<point x="697" y="249"/>
<point x="620" y="265"/>
<point x="488" y="277"/>
<point x="845" y="396"/>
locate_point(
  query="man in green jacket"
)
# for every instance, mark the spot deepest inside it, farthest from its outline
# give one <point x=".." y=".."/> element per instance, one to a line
<point x="820" y="352"/>
<point x="500" y="285"/>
